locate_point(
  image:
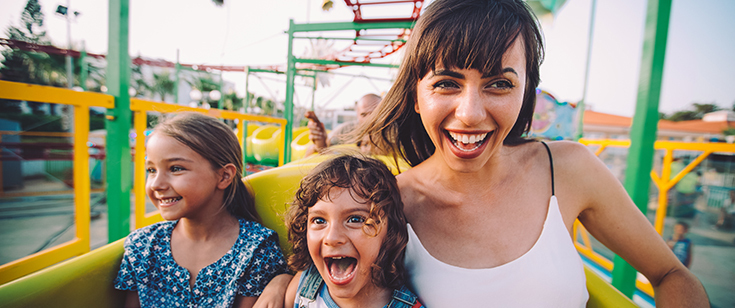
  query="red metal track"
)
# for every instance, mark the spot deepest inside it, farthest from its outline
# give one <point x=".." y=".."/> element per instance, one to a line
<point x="353" y="53"/>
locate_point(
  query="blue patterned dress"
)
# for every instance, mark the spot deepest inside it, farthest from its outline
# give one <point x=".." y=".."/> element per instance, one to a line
<point x="149" y="268"/>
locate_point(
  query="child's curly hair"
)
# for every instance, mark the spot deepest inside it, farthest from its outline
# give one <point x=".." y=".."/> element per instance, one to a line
<point x="369" y="181"/>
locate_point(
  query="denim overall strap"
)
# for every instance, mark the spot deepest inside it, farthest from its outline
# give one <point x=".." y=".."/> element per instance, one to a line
<point x="310" y="287"/>
<point x="402" y="298"/>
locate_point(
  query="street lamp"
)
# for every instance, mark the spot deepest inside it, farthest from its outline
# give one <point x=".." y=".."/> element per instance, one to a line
<point x="64" y="11"/>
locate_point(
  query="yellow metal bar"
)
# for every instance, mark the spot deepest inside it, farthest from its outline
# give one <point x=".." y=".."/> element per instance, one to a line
<point x="663" y="189"/>
<point x="40" y="134"/>
<point x="44" y="193"/>
<point x="150" y="218"/>
<point x="36" y="93"/>
<point x="599" y="151"/>
<point x="81" y="174"/>
<point x="694" y="146"/>
<point x="2" y="191"/>
<point x="139" y="124"/>
<point x="606" y="142"/>
<point x="23" y="266"/>
<point x="689" y="167"/>
<point x="144" y="105"/>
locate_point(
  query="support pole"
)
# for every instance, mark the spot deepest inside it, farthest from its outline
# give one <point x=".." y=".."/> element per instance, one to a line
<point x="119" y="179"/>
<point x="84" y="68"/>
<point x="69" y="60"/>
<point x="645" y="121"/>
<point x="580" y="106"/>
<point x="288" y="113"/>
<point x="176" y="77"/>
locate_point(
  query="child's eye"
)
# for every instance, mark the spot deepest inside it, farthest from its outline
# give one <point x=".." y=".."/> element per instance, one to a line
<point x="177" y="168"/>
<point x="150" y="170"/>
<point x="318" y="220"/>
<point x="356" y="219"/>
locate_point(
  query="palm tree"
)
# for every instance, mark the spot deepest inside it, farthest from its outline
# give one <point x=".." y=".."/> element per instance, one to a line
<point x="163" y="85"/>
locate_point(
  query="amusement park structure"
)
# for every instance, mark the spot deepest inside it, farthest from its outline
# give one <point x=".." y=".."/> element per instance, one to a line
<point x="372" y="39"/>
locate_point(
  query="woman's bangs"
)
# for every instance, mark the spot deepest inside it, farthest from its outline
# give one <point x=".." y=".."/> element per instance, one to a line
<point x="464" y="43"/>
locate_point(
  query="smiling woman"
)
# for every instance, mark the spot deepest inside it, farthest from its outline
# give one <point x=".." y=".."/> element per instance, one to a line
<point x="490" y="212"/>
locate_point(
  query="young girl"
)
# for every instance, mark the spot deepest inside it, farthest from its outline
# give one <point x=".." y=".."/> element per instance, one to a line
<point x="349" y="236"/>
<point x="210" y="252"/>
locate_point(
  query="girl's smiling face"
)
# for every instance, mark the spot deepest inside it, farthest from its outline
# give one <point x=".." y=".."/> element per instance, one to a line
<point x="180" y="182"/>
<point x="341" y="249"/>
<point x="468" y="113"/>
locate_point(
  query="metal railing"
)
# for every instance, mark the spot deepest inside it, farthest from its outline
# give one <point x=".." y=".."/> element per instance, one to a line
<point x="81" y="102"/>
<point x="664" y="182"/>
<point x="140" y="109"/>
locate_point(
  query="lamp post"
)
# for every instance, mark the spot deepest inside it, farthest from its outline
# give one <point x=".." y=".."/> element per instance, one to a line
<point x="65" y="11"/>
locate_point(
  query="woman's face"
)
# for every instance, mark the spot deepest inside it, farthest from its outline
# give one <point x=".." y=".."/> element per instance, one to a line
<point x="468" y="113"/>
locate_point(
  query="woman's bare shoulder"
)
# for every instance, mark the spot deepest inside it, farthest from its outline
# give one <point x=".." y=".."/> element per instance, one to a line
<point x="572" y="156"/>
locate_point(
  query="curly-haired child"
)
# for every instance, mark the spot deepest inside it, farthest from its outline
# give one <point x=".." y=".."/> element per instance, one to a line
<point x="349" y="236"/>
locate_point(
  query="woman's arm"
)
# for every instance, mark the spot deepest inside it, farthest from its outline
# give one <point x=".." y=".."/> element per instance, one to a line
<point x="291" y="290"/>
<point x="273" y="294"/>
<point x="244" y="301"/>
<point x="131" y="299"/>
<point x="606" y="210"/>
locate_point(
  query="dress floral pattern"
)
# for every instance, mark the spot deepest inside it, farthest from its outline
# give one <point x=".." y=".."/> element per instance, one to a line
<point x="245" y="269"/>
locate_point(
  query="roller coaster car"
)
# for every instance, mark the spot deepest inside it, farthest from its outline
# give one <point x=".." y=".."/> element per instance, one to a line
<point x="87" y="280"/>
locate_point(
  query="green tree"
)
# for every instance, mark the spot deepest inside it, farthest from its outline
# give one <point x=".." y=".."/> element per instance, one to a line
<point x="232" y="101"/>
<point x="163" y="85"/>
<point x="698" y="111"/>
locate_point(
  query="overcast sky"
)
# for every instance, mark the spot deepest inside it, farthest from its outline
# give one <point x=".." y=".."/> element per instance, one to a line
<point x="700" y="66"/>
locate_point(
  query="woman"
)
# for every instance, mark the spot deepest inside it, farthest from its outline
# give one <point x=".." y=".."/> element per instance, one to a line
<point x="490" y="212"/>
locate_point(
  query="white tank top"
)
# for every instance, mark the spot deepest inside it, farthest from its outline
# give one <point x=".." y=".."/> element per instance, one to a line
<point x="550" y="274"/>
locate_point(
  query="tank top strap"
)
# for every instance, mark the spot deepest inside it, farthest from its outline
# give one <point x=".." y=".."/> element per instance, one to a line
<point x="551" y="164"/>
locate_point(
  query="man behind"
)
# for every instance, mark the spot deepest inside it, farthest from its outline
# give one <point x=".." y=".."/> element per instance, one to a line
<point x="317" y="133"/>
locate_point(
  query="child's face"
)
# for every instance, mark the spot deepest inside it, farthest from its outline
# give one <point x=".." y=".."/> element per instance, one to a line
<point x="180" y="182"/>
<point x="342" y="252"/>
<point x="679" y="230"/>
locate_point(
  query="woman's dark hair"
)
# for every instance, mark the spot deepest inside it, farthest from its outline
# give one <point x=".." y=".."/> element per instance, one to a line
<point x="216" y="142"/>
<point x="369" y="182"/>
<point x="467" y="34"/>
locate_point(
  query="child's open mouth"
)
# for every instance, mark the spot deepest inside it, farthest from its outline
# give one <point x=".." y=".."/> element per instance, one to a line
<point x="341" y="269"/>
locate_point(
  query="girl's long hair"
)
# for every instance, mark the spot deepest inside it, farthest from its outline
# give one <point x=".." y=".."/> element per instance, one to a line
<point x="217" y="143"/>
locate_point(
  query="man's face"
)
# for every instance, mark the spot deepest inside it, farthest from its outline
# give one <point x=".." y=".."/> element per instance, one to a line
<point x="364" y="107"/>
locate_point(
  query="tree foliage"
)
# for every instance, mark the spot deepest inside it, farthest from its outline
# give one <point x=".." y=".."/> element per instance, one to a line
<point x="697" y="112"/>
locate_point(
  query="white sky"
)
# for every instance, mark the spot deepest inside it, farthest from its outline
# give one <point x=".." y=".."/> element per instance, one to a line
<point x="699" y="65"/>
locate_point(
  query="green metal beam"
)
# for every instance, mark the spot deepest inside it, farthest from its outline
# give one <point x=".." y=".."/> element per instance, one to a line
<point x="84" y="73"/>
<point x="119" y="178"/>
<point x="288" y="104"/>
<point x="176" y="82"/>
<point x="580" y="106"/>
<point x="645" y="121"/>
<point x="340" y="63"/>
<point x="359" y="38"/>
<point x="341" y="26"/>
